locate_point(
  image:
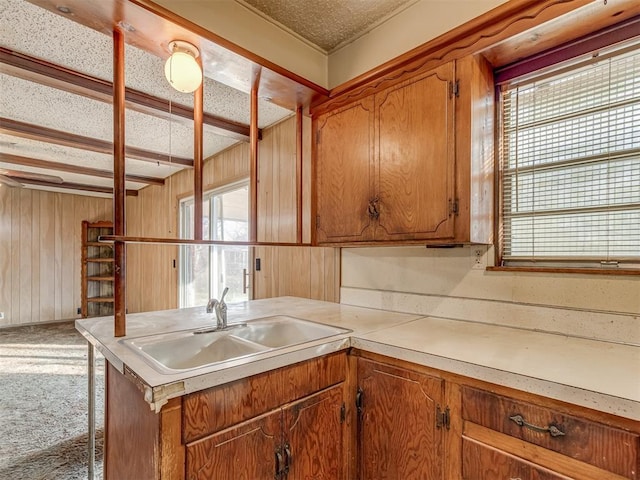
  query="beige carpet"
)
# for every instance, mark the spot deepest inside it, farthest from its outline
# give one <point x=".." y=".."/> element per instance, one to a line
<point x="43" y="404"/>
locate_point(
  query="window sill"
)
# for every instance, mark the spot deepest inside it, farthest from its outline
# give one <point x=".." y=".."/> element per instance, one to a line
<point x="589" y="271"/>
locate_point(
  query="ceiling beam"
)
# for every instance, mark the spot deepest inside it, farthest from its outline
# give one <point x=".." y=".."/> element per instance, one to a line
<point x="64" y="167"/>
<point x="68" y="185"/>
<point x="51" y="75"/>
<point x="48" y="135"/>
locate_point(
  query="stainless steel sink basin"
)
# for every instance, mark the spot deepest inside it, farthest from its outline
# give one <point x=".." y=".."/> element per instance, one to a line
<point x="186" y="349"/>
<point x="283" y="331"/>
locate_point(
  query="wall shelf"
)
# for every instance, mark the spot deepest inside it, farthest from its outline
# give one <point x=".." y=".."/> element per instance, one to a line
<point x="97" y="270"/>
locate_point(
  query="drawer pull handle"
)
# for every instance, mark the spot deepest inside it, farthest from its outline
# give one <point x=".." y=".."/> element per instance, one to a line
<point x="552" y="429"/>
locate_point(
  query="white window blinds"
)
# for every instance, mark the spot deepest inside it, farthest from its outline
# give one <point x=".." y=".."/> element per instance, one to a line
<point x="570" y="155"/>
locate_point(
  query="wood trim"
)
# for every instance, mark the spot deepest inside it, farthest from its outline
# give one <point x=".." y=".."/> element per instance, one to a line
<point x="172" y="452"/>
<point x="63" y="167"/>
<point x="186" y="241"/>
<point x="253" y="134"/>
<point x="299" y="165"/>
<point x="257" y="60"/>
<point x="52" y="75"/>
<point x="491" y="25"/>
<point x="605" y="37"/>
<point x="198" y="161"/>
<point x="58" y="137"/>
<point x="554" y="461"/>
<point x="155" y="26"/>
<point x="519" y="19"/>
<point x="70" y="186"/>
<point x="119" y="224"/>
<point x="588" y="271"/>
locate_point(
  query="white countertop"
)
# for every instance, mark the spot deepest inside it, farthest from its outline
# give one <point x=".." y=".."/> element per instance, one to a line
<point x="595" y="374"/>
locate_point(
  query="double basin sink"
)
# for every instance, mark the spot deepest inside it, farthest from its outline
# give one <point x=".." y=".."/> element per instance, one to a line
<point x="189" y="349"/>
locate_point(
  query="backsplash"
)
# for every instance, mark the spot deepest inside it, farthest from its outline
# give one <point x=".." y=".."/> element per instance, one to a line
<point x="448" y="283"/>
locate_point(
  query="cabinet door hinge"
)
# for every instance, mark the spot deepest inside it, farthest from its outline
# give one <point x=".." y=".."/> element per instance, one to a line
<point x="359" y="396"/>
<point x="443" y="418"/>
<point x="343" y="413"/>
<point x="454" y="88"/>
<point x="454" y="207"/>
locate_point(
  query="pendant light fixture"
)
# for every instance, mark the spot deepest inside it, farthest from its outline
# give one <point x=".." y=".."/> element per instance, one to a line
<point x="182" y="70"/>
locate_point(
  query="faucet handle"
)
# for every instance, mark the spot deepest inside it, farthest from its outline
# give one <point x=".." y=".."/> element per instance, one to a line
<point x="224" y="292"/>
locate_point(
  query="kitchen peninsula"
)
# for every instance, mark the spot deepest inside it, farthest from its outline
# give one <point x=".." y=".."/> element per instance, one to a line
<point x="440" y="380"/>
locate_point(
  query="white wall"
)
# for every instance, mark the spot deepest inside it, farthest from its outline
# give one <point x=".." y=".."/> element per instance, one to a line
<point x="412" y="27"/>
<point x="449" y="272"/>
<point x="246" y="29"/>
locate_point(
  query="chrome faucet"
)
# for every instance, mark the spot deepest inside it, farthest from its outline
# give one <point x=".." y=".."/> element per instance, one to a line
<point x="220" y="309"/>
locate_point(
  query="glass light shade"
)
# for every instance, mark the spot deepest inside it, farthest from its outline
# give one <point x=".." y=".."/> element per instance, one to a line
<point x="183" y="72"/>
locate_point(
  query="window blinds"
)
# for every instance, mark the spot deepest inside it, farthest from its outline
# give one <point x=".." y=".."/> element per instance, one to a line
<point x="570" y="155"/>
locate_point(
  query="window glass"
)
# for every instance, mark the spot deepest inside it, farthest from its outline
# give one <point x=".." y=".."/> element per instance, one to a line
<point x="570" y="165"/>
<point x="206" y="270"/>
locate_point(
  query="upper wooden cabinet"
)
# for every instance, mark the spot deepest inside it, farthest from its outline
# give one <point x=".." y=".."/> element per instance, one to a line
<point x="345" y="173"/>
<point x="410" y="162"/>
<point x="416" y="157"/>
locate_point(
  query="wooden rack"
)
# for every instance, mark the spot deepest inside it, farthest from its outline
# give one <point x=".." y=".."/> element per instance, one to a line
<point x="97" y="270"/>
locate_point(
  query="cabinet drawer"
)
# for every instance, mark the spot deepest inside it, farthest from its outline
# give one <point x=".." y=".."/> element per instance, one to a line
<point x="605" y="447"/>
<point x="215" y="408"/>
<point x="481" y="462"/>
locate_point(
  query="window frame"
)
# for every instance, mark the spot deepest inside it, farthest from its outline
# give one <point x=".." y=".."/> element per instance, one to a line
<point x="207" y="196"/>
<point x="541" y="66"/>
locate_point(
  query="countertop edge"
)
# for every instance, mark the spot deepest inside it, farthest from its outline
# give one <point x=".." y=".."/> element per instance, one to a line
<point x="157" y="393"/>
<point x="599" y="401"/>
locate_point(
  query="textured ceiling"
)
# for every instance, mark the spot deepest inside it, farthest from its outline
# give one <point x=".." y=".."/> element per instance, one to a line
<point x="33" y="31"/>
<point x="328" y="24"/>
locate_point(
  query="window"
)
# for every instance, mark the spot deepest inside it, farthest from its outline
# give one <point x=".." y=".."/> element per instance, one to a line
<point x="570" y="165"/>
<point x="206" y="270"/>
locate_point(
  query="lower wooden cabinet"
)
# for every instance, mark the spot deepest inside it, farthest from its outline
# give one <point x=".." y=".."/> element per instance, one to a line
<point x="314" y="437"/>
<point x="511" y="436"/>
<point x="349" y="416"/>
<point x="300" y="441"/>
<point x="244" y="451"/>
<point x="481" y="462"/>
<point x="284" y="424"/>
<point x="400" y="434"/>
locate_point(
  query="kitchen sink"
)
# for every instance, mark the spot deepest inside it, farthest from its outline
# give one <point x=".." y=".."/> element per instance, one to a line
<point x="283" y="331"/>
<point x="190" y="349"/>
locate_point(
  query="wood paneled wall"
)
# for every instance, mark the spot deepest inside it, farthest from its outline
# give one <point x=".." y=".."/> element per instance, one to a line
<point x="40" y="236"/>
<point x="152" y="280"/>
<point x="309" y="272"/>
<point x="40" y="246"/>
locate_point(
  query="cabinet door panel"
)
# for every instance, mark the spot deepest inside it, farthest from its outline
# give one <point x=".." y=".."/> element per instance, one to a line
<point x="605" y="447"/>
<point x="344" y="163"/>
<point x="398" y="436"/>
<point x="481" y="462"/>
<point x="416" y="157"/>
<point x="244" y="452"/>
<point x="315" y="434"/>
